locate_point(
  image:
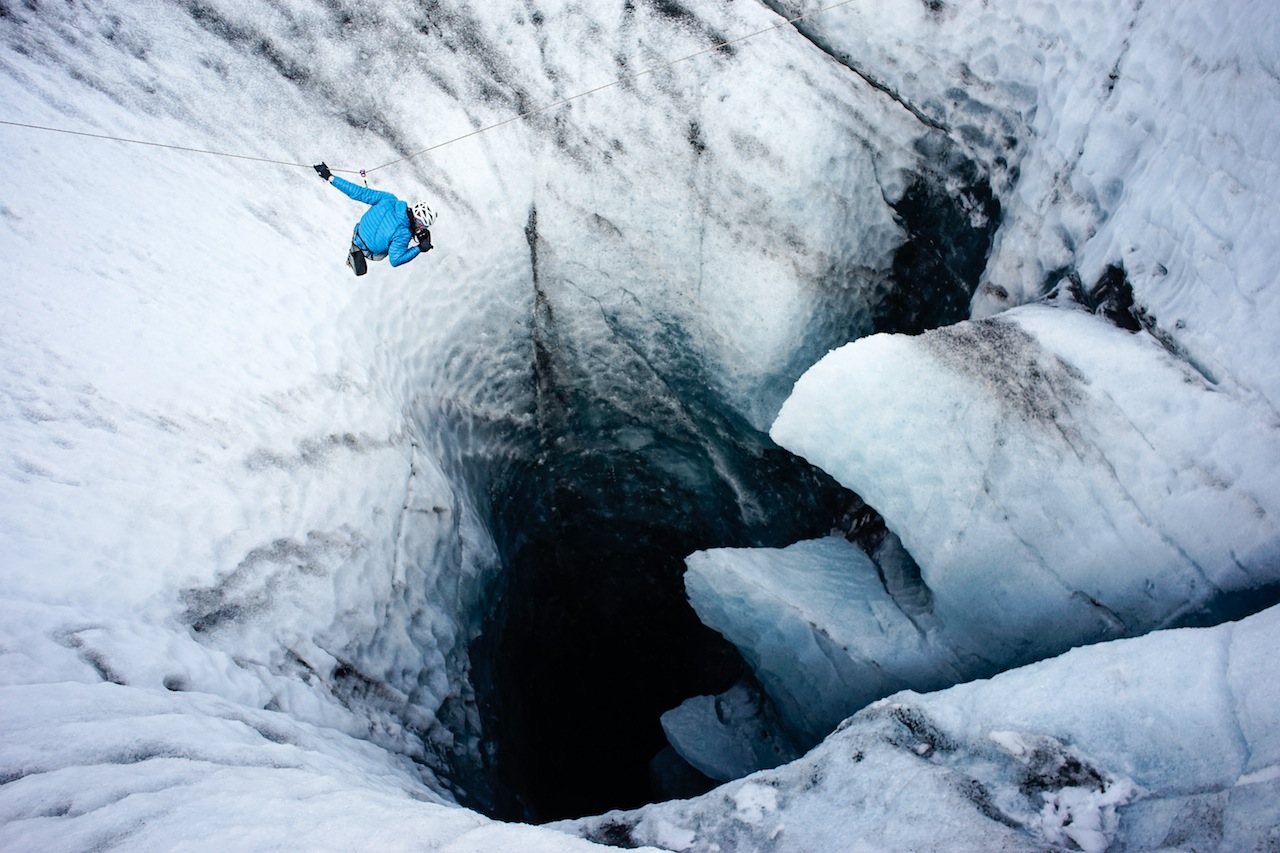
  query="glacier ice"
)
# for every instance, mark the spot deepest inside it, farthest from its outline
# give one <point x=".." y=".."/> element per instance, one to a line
<point x="1092" y="483"/>
<point x="248" y="521"/>
<point x="729" y="735"/>
<point x="1142" y="744"/>
<point x="218" y="446"/>
<point x="1096" y="487"/>
<point x="818" y="628"/>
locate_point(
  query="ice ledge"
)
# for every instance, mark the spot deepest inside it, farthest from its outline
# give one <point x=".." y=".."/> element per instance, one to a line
<point x="1130" y="745"/>
<point x="816" y="625"/>
<point x="1058" y="480"/>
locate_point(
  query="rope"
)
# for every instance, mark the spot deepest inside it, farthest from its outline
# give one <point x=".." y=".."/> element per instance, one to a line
<point x="528" y="113"/>
<point x="162" y="145"/>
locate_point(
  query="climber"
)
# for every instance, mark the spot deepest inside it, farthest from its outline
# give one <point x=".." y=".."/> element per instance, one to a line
<point x="387" y="227"/>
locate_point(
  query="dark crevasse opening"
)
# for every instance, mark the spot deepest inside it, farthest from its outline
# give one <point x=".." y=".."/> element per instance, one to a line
<point x="950" y="216"/>
<point x="592" y="638"/>
<point x="594" y="641"/>
<point x="635" y="463"/>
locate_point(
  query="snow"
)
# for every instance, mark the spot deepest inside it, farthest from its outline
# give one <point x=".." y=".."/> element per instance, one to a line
<point x="753" y="803"/>
<point x="1081" y="814"/>
<point x="242" y="559"/>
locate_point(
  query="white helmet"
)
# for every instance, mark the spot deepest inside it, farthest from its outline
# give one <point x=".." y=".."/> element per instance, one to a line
<point x="423" y="215"/>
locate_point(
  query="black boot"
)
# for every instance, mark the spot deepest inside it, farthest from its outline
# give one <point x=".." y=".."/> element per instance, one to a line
<point x="355" y="260"/>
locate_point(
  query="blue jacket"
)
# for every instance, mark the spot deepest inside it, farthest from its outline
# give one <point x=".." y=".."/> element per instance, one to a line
<point x="383" y="231"/>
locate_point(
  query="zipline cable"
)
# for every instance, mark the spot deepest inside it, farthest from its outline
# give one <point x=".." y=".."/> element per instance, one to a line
<point x="527" y="114"/>
<point x="161" y="145"/>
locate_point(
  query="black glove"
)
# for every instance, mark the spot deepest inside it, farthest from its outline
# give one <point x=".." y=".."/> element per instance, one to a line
<point x="424" y="241"/>
<point x="323" y="171"/>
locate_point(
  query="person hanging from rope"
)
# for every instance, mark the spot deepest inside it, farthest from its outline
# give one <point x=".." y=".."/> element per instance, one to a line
<point x="388" y="228"/>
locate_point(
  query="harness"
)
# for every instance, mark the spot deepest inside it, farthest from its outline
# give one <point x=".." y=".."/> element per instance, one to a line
<point x="359" y="243"/>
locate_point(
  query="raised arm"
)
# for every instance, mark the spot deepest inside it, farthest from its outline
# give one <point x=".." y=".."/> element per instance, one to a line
<point x="360" y="193"/>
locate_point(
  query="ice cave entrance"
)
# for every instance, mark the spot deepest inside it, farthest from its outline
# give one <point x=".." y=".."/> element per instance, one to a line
<point x="590" y="638"/>
<point x="593" y="639"/>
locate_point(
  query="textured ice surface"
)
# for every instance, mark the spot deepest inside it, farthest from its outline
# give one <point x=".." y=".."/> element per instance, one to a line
<point x="729" y="735"/>
<point x="818" y="628"/>
<point x="1126" y="133"/>
<point x="241" y="556"/>
<point x="1154" y="743"/>
<point x="232" y="470"/>
<point x="1056" y="479"/>
<point x="1090" y="484"/>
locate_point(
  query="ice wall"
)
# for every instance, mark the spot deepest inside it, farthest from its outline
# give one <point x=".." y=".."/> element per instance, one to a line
<point x="1059" y="477"/>
<point x="1116" y="133"/>
<point x="819" y="629"/>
